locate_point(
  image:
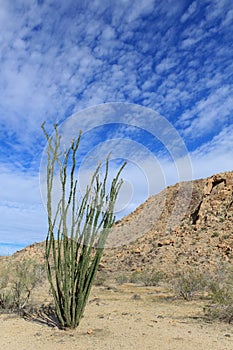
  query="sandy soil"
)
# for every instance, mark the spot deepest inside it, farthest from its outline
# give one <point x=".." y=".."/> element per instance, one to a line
<point x="123" y="317"/>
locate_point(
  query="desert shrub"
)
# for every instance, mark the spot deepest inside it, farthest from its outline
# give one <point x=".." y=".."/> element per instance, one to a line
<point x="148" y="278"/>
<point x="151" y="278"/>
<point x="17" y="280"/>
<point x="189" y="283"/>
<point x="135" y="277"/>
<point x="221" y="297"/>
<point x="123" y="278"/>
<point x="100" y="278"/>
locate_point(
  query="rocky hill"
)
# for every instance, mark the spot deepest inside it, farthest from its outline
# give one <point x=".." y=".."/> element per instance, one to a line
<point x="202" y="235"/>
<point x="188" y="224"/>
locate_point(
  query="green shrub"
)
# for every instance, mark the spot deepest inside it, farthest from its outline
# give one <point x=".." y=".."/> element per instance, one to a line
<point x="148" y="278"/>
<point x="17" y="280"/>
<point x="221" y="294"/>
<point x="100" y="278"/>
<point x="187" y="284"/>
<point x="121" y="279"/>
<point x="151" y="278"/>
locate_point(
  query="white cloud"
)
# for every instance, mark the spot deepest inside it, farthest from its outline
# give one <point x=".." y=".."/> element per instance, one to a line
<point x="216" y="9"/>
<point x="215" y="156"/>
<point x="208" y="112"/>
<point x="22" y="214"/>
<point x="141" y="8"/>
<point x="228" y="19"/>
<point x="165" y="64"/>
<point x="191" y="9"/>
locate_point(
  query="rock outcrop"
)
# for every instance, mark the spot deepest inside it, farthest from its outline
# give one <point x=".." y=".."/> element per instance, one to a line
<point x="203" y="237"/>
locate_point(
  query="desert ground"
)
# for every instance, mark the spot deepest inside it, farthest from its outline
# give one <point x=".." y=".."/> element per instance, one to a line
<point x="123" y="317"/>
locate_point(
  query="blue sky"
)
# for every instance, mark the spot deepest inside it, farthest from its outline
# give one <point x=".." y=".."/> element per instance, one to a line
<point x="60" y="57"/>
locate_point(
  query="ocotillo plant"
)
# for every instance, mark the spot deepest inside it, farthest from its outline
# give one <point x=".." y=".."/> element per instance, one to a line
<point x="77" y="228"/>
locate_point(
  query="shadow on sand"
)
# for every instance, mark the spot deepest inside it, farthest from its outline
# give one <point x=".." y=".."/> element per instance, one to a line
<point x="44" y="315"/>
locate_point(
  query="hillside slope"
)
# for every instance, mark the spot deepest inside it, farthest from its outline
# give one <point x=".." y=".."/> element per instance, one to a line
<point x="202" y="237"/>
